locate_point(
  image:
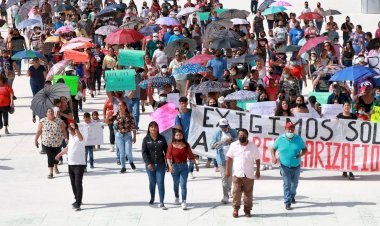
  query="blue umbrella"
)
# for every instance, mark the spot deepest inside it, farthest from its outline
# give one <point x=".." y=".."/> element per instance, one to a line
<point x="27" y="54"/>
<point x="242" y="95"/>
<point x="182" y="72"/>
<point x="27" y="23"/>
<point x="352" y="73"/>
<point x="155" y="82"/>
<point x="273" y="10"/>
<point x="149" y="30"/>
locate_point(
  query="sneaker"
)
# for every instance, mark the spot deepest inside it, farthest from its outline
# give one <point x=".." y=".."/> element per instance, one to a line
<point x="92" y="95"/>
<point x="112" y="149"/>
<point x="123" y="170"/>
<point x="262" y="167"/>
<point x="176" y="201"/>
<point x="351" y="176"/>
<point x="270" y="167"/>
<point x="235" y="213"/>
<point x="151" y="201"/>
<point x="50" y="176"/>
<point x="224" y="200"/>
<point x="192" y="176"/>
<point x="248" y="214"/>
<point x="132" y="165"/>
<point x="76" y="206"/>
<point x="42" y="152"/>
<point x="217" y="169"/>
<point x="208" y="164"/>
<point x="288" y="207"/>
<point x="184" y="206"/>
<point x="92" y="166"/>
<point x="6" y="131"/>
<point x="294" y="201"/>
<point x="230" y="195"/>
<point x="118" y="162"/>
<point x="60" y="162"/>
<point x="162" y="206"/>
<point x="344" y="174"/>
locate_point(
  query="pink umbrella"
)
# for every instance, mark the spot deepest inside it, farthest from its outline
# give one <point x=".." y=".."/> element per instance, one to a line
<point x="281" y="3"/>
<point x="57" y="69"/>
<point x="311" y="43"/>
<point x="80" y="39"/>
<point x="64" y="29"/>
<point x="76" y="45"/>
<point x="201" y="59"/>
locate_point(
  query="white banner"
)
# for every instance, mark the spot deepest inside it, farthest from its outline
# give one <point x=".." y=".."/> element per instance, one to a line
<point x="332" y="144"/>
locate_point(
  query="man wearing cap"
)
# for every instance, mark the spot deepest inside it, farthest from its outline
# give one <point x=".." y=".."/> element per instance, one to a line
<point x="152" y="45"/>
<point x="221" y="141"/>
<point x="177" y="35"/>
<point x="290" y="148"/>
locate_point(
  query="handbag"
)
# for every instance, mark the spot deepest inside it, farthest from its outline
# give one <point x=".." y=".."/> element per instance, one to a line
<point x="11" y="110"/>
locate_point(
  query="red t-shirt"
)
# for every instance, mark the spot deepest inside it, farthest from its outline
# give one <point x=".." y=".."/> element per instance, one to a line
<point x="272" y="92"/>
<point x="5" y="95"/>
<point x="179" y="155"/>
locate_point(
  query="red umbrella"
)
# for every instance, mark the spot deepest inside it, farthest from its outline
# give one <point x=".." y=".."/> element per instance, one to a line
<point x="124" y="36"/>
<point x="310" y="16"/>
<point x="311" y="43"/>
<point x="76" y="45"/>
<point x="75" y="56"/>
<point x="200" y="59"/>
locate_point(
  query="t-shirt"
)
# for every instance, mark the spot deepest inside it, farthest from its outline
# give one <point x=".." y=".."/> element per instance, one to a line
<point x="296" y="35"/>
<point x="288" y="149"/>
<point x="5" y="93"/>
<point x="76" y="154"/>
<point x="351" y="116"/>
<point x="37" y="75"/>
<point x="218" y="65"/>
<point x="280" y="34"/>
<point x="323" y="84"/>
<point x="183" y="119"/>
<point x="18" y="43"/>
<point x="161" y="58"/>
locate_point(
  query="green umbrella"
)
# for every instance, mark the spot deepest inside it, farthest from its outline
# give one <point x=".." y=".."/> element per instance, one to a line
<point x="27" y="54"/>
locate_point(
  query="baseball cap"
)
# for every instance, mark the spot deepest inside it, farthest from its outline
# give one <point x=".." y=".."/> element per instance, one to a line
<point x="155" y="35"/>
<point x="223" y="123"/>
<point x="69" y="68"/>
<point x="289" y="125"/>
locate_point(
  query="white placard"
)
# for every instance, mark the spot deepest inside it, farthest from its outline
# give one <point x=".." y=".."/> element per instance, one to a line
<point x="267" y="108"/>
<point x="173" y="98"/>
<point x="331" y="110"/>
<point x="94" y="133"/>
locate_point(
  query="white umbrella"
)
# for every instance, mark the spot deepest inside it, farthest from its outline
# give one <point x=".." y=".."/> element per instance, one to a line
<point x="238" y="21"/>
<point x="168" y="21"/>
<point x="187" y="11"/>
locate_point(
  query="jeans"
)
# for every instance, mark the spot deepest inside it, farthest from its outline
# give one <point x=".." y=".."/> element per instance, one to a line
<point x="191" y="166"/>
<point x="76" y="177"/>
<point x="290" y="177"/>
<point x="157" y="176"/>
<point x="213" y="161"/>
<point x="124" y="144"/>
<point x="357" y="49"/>
<point x="75" y="108"/>
<point x="18" y="62"/>
<point x="90" y="154"/>
<point x="319" y="25"/>
<point x="36" y="87"/>
<point x="4" y="114"/>
<point x="134" y="108"/>
<point x="180" y="173"/>
<point x="226" y="181"/>
<point x="112" y="133"/>
<point x="96" y="78"/>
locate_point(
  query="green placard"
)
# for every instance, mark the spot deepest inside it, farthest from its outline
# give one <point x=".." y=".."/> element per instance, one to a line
<point x="219" y="11"/>
<point x="203" y="15"/>
<point x="239" y="83"/>
<point x="243" y="104"/>
<point x="120" y="80"/>
<point x="321" y="96"/>
<point x="375" y="117"/>
<point x="133" y="58"/>
<point x="71" y="81"/>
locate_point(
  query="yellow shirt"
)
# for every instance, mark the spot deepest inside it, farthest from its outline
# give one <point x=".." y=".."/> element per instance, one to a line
<point x="81" y="33"/>
<point x="109" y="62"/>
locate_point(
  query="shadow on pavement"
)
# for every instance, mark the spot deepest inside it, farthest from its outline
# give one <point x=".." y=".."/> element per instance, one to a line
<point x="6" y="168"/>
<point x="291" y="214"/>
<point x="332" y="204"/>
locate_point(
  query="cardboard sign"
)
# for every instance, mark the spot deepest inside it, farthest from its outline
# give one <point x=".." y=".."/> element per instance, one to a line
<point x="331" y="110"/>
<point x="173" y="98"/>
<point x="71" y="81"/>
<point x="120" y="80"/>
<point x="262" y="108"/>
<point x="133" y="58"/>
<point x="94" y="133"/>
<point x="322" y="97"/>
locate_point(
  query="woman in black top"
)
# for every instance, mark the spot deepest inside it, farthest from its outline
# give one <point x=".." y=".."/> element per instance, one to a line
<point x="154" y="148"/>
<point x="346" y="114"/>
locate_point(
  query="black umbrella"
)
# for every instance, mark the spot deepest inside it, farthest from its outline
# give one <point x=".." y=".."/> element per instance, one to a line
<point x="372" y="43"/>
<point x="108" y="12"/>
<point x="179" y="45"/>
<point x="63" y="7"/>
<point x="214" y="27"/>
<point x="225" y="34"/>
<point x="226" y="43"/>
<point x="292" y="48"/>
<point x="265" y="5"/>
<point x="234" y="13"/>
<point x="331" y="12"/>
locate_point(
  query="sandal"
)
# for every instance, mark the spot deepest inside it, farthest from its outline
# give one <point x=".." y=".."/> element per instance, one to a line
<point x="50" y="176"/>
<point x="56" y="171"/>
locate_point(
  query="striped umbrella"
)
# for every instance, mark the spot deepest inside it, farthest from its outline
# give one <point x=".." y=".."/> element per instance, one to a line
<point x="242" y="95"/>
<point x="27" y="54"/>
<point x="58" y="69"/>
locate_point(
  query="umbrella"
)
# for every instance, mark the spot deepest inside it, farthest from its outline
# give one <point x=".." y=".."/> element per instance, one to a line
<point x="281" y="3"/>
<point x="58" y="69"/>
<point x="311" y="43"/>
<point x="115" y="6"/>
<point x="131" y="24"/>
<point x="155" y="82"/>
<point x="227" y="34"/>
<point x="2" y="22"/>
<point x="329" y="69"/>
<point x="372" y="43"/>
<point x="201" y="59"/>
<point x="106" y="30"/>
<point x="273" y="10"/>
<point x="64" y="29"/>
<point x="352" y="73"/>
<point x="27" y="23"/>
<point x="80" y="39"/>
<point x="179" y="45"/>
<point x="265" y="5"/>
<point x="26" y="7"/>
<point x="187" y="11"/>
<point x="212" y="28"/>
<point x="310" y="16"/>
<point x="27" y="54"/>
<point x="234" y="13"/>
<point x="76" y="56"/>
<point x="291" y="48"/>
<point x="331" y="12"/>
<point x="54" y="39"/>
<point x="208" y="87"/>
<point x="238" y="21"/>
<point x="167" y="21"/>
<point x="188" y="69"/>
<point x="226" y="43"/>
<point x="76" y="45"/>
<point x="242" y="95"/>
<point x="107" y="12"/>
<point x="149" y="30"/>
<point x="123" y="36"/>
<point x="63" y="7"/>
<point x="11" y="3"/>
<point x="44" y="99"/>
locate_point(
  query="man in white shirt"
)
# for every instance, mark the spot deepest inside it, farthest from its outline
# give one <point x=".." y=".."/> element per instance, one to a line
<point x="243" y="154"/>
<point x="306" y="9"/>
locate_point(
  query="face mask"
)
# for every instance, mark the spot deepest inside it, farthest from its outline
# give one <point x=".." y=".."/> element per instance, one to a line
<point x="218" y="55"/>
<point x="233" y="72"/>
<point x="313" y="58"/>
<point x="293" y="63"/>
<point x="176" y="32"/>
<point x="164" y="70"/>
<point x="361" y="112"/>
<point x="271" y="73"/>
<point x="155" y="38"/>
<point x="299" y="105"/>
<point x="242" y="139"/>
<point x="361" y="59"/>
<point x="163" y="99"/>
<point x="286" y="76"/>
<point x="290" y="135"/>
<point x="177" y="140"/>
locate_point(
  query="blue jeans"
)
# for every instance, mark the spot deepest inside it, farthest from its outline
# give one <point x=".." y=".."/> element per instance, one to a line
<point x="213" y="161"/>
<point x="290" y="177"/>
<point x="357" y="49"/>
<point x="90" y="154"/>
<point x="134" y="108"/>
<point x="157" y="176"/>
<point x="18" y="62"/>
<point x="319" y="25"/>
<point x="180" y="173"/>
<point x="124" y="144"/>
<point x="36" y="87"/>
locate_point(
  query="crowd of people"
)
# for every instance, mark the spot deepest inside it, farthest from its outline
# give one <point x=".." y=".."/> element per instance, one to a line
<point x="247" y="57"/>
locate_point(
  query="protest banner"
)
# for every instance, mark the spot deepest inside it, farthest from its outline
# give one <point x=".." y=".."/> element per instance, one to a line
<point x="302" y="115"/>
<point x="71" y="81"/>
<point x="133" y="58"/>
<point x="120" y="80"/>
<point x="321" y="97"/>
<point x="243" y="103"/>
<point x="203" y="15"/>
<point x="331" y="110"/>
<point x="343" y="145"/>
<point x="375" y="117"/>
<point x="173" y="98"/>
<point x="94" y="133"/>
<point x="262" y="108"/>
<point x="165" y="116"/>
